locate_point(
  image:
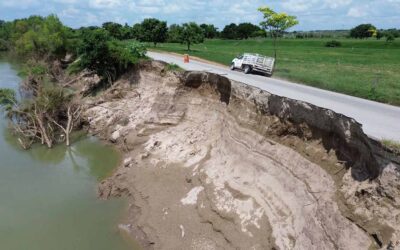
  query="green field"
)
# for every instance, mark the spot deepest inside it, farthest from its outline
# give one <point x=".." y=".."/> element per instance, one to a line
<point x="365" y="68"/>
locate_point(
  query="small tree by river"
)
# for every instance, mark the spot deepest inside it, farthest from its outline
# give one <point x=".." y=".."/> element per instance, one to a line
<point x="47" y="114"/>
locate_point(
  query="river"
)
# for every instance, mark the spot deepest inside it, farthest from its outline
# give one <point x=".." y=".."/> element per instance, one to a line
<point x="48" y="196"/>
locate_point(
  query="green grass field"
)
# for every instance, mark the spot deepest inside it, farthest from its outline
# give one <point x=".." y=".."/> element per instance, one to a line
<point x="365" y="68"/>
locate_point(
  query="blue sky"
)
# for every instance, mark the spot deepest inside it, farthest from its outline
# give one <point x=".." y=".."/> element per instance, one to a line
<point x="312" y="14"/>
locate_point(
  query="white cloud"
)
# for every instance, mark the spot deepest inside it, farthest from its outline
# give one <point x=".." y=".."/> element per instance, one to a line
<point x="298" y="5"/>
<point x="105" y="4"/>
<point x="337" y="3"/>
<point x="70" y="12"/>
<point x="21" y="4"/>
<point x="66" y="1"/>
<point x="356" y="12"/>
<point x="172" y="8"/>
<point x="148" y="9"/>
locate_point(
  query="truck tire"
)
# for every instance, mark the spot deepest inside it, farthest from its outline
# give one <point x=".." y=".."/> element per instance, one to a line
<point x="232" y="66"/>
<point x="247" y="69"/>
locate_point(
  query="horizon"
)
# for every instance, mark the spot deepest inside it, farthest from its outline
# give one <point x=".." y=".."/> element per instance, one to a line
<point x="313" y="15"/>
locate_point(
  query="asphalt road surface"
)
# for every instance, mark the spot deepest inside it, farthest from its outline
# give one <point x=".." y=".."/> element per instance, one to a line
<point x="380" y="121"/>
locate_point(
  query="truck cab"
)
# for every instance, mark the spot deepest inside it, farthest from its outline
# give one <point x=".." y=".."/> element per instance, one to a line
<point x="237" y="62"/>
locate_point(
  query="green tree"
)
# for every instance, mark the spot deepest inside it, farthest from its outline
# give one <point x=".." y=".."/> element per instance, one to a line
<point x="191" y="34"/>
<point x="40" y="37"/>
<point x="116" y="30"/>
<point x="106" y="56"/>
<point x="379" y="35"/>
<point x="174" y="33"/>
<point x="137" y="32"/>
<point x="153" y="30"/>
<point x="390" y="37"/>
<point x="127" y="32"/>
<point x="363" y="31"/>
<point x="276" y="23"/>
<point x="7" y="98"/>
<point x="210" y="31"/>
<point x="230" y="31"/>
<point x="94" y="51"/>
<point x="246" y="30"/>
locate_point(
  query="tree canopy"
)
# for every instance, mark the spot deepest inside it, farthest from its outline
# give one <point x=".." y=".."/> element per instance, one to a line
<point x="191" y="33"/>
<point x="107" y="56"/>
<point x="242" y="31"/>
<point x="209" y="30"/>
<point x="39" y="36"/>
<point x="363" y="31"/>
<point x="276" y="23"/>
<point x="152" y="30"/>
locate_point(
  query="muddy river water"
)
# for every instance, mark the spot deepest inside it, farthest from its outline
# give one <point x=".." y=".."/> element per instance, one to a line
<point x="48" y="197"/>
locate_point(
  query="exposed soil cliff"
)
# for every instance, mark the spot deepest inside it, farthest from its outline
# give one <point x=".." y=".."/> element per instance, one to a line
<point x="215" y="164"/>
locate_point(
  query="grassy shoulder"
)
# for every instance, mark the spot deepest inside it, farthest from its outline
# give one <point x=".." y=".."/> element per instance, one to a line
<point x="362" y="68"/>
<point x="394" y="145"/>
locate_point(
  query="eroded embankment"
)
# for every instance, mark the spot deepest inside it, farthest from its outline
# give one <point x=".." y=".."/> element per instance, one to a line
<point x="215" y="164"/>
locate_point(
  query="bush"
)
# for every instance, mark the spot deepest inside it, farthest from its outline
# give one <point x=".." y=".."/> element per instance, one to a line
<point x="3" y="45"/>
<point x="173" y="67"/>
<point x="106" y="56"/>
<point x="390" y="38"/>
<point x="394" y="145"/>
<point x="333" y="44"/>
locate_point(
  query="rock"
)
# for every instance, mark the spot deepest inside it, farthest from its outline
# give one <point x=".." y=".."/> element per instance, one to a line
<point x="89" y="82"/>
<point x="115" y="136"/>
<point x="125" y="227"/>
<point x="127" y="162"/>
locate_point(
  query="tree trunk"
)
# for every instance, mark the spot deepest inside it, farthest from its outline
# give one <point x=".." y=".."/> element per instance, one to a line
<point x="43" y="132"/>
<point x="69" y="126"/>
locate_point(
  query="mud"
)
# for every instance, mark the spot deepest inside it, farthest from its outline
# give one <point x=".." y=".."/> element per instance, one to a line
<point x="216" y="164"/>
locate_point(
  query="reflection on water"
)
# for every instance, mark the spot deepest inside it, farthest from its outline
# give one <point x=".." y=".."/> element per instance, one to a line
<point x="48" y="196"/>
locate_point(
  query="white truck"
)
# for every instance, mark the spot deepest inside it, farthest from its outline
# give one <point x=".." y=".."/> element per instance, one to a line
<point x="254" y="62"/>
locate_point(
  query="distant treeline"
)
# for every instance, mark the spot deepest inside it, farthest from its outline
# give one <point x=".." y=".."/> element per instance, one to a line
<point x="361" y="31"/>
<point x="47" y="35"/>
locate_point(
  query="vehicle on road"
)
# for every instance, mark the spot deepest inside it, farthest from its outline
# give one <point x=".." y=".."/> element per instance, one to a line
<point x="254" y="63"/>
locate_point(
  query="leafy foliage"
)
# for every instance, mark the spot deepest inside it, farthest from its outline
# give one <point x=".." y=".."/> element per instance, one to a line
<point x="191" y="33"/>
<point x="7" y="98"/>
<point x="390" y="37"/>
<point x="394" y="145"/>
<point x="174" y="33"/>
<point x="363" y="31"/>
<point x="40" y="37"/>
<point x="173" y="67"/>
<point x="118" y="31"/>
<point x="106" y="56"/>
<point x="276" y="23"/>
<point x="230" y="31"/>
<point x="152" y="30"/>
<point x="333" y="44"/>
<point x="209" y="30"/>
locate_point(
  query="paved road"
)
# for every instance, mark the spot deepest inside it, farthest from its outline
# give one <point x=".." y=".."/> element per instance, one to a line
<point x="379" y="120"/>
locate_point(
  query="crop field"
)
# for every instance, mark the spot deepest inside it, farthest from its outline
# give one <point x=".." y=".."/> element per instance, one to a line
<point x="368" y="69"/>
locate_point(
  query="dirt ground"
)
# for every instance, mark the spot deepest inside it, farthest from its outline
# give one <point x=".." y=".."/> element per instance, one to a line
<point x="214" y="164"/>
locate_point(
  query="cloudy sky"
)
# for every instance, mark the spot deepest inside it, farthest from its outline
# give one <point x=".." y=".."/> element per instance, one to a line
<point x="312" y="14"/>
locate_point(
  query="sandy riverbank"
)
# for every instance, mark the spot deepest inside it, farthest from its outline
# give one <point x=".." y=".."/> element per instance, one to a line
<point x="215" y="164"/>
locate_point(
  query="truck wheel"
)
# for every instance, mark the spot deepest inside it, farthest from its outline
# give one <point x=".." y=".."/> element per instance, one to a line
<point x="232" y="66"/>
<point x="247" y="69"/>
